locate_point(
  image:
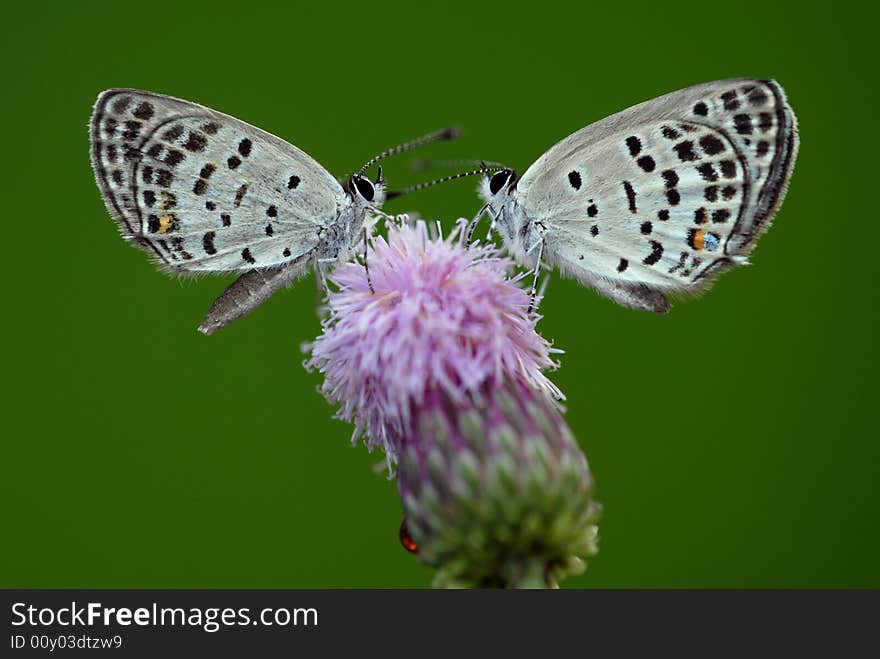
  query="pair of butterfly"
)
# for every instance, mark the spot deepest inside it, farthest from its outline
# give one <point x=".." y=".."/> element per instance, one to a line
<point x="656" y="199"/>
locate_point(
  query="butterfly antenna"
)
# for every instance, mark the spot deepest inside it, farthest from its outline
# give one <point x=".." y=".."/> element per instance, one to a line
<point x="427" y="164"/>
<point x="391" y="194"/>
<point x="440" y="136"/>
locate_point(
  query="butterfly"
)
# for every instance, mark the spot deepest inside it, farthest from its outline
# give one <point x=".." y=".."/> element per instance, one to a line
<point x="204" y="192"/>
<point x="657" y="199"/>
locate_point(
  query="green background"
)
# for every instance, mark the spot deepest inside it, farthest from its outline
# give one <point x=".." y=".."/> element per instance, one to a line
<point x="734" y="441"/>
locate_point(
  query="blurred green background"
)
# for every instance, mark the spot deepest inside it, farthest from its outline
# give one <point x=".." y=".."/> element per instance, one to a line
<point x="734" y="441"/>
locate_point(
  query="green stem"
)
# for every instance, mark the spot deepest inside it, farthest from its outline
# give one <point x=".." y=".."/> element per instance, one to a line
<point x="532" y="576"/>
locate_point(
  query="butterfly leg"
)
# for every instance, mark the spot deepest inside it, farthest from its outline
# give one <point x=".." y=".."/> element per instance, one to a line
<point x="494" y="222"/>
<point x="399" y="220"/>
<point x="472" y="225"/>
<point x="540" y="245"/>
<point x="366" y="265"/>
<point x="322" y="275"/>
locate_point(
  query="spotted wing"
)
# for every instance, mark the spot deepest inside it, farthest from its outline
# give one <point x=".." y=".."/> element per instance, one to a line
<point x="204" y="192"/>
<point x="666" y="194"/>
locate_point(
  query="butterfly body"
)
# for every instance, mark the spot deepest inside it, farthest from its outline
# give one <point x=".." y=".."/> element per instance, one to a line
<point x="658" y="198"/>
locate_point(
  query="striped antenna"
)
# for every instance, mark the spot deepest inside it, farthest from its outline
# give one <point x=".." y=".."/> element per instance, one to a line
<point x="427" y="164"/>
<point x="391" y="194"/>
<point x="440" y="136"/>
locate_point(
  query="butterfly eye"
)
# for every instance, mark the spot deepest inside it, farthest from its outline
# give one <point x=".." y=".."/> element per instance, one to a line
<point x="364" y="187"/>
<point x="406" y="539"/>
<point x="498" y="180"/>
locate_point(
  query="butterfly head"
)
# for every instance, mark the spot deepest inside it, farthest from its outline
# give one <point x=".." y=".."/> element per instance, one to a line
<point x="494" y="186"/>
<point x="367" y="192"/>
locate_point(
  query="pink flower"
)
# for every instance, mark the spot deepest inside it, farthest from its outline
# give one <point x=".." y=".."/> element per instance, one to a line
<point x="443" y="320"/>
<point x="434" y="356"/>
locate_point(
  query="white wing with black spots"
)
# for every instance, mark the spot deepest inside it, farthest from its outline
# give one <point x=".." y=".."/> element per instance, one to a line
<point x="205" y="192"/>
<point x="660" y="197"/>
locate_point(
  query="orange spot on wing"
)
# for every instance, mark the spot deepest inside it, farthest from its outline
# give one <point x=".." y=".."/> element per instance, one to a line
<point x="165" y="223"/>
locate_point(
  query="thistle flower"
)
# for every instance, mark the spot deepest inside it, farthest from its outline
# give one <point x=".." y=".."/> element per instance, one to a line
<point x="434" y="357"/>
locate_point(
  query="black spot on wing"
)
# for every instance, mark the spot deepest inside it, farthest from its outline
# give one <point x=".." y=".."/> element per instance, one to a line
<point x="630" y="196"/>
<point x="757" y="97"/>
<point x="685" y="151"/>
<point x="670" y="178"/>
<point x="164" y="178"/>
<point x="174" y="157"/>
<point x="670" y="133"/>
<point x="130" y="153"/>
<point x="646" y="163"/>
<point x="132" y="129"/>
<point x="634" y="144"/>
<point x="743" y="124"/>
<point x="681" y="261"/>
<point x="721" y="215"/>
<point x="121" y="104"/>
<point x="574" y="179"/>
<point x="143" y="111"/>
<point x="208" y="243"/>
<point x="731" y="103"/>
<point x="711" y="145"/>
<point x="172" y="133"/>
<point x="655" y="255"/>
<point x="239" y="194"/>
<point x="196" y="142"/>
<point x="707" y="172"/>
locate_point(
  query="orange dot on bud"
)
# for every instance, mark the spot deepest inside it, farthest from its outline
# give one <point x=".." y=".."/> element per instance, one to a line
<point x="406" y="539"/>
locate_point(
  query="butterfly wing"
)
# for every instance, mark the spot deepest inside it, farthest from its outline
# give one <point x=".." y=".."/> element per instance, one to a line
<point x="666" y="194"/>
<point x="204" y="192"/>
